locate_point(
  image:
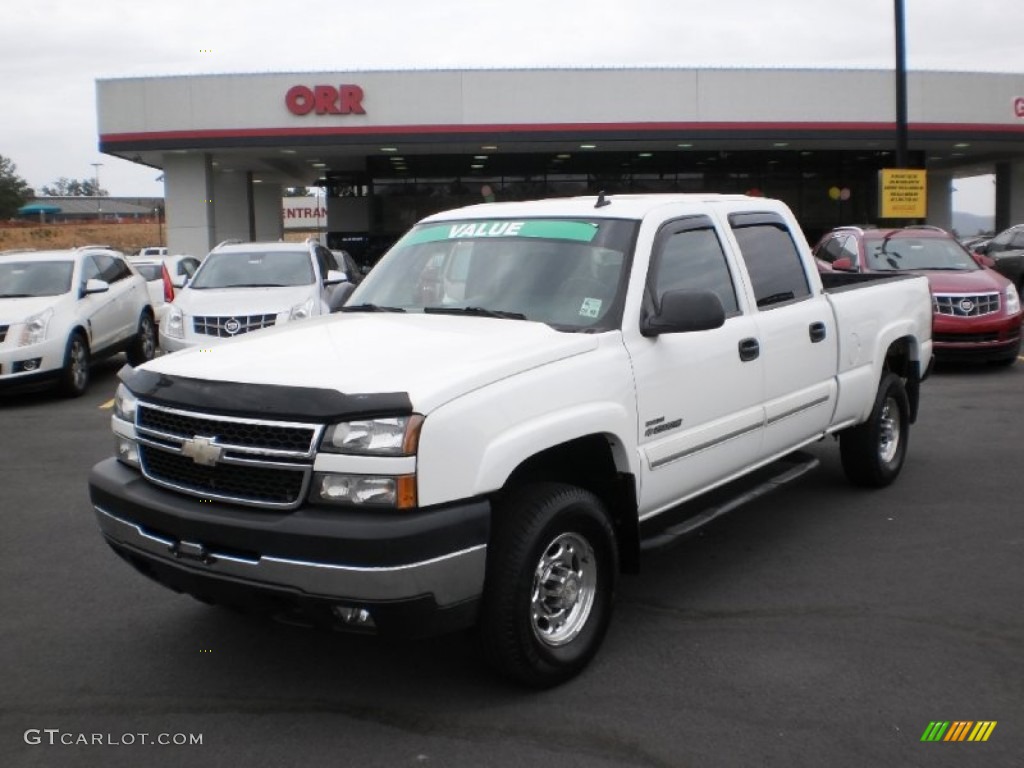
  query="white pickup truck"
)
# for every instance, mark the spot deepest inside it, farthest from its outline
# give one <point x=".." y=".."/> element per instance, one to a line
<point x="517" y="400"/>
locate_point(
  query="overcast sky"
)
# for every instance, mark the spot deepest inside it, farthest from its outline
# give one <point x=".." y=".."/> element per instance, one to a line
<point x="52" y="51"/>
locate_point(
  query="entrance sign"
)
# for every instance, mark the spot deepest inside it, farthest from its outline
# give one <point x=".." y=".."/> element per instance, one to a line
<point x="902" y="193"/>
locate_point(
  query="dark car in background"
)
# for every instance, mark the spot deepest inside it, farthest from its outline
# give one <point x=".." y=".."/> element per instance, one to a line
<point x="1006" y="250"/>
<point x="977" y="311"/>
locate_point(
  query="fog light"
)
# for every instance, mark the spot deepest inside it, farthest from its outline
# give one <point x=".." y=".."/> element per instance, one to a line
<point x="127" y="451"/>
<point x="348" y="614"/>
<point x="24" y="366"/>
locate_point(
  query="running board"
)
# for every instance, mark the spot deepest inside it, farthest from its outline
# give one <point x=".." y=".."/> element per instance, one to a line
<point x="721" y="500"/>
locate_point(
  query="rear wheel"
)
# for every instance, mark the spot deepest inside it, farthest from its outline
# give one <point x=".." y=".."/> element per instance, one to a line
<point x="74" y="376"/>
<point x="551" y="572"/>
<point x="143" y="347"/>
<point x="873" y="452"/>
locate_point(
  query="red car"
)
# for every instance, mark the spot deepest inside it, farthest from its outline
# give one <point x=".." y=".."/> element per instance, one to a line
<point x="977" y="310"/>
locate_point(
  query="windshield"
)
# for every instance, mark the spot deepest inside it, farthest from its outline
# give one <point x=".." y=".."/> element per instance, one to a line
<point x="20" y="279"/>
<point x="263" y="269"/>
<point x="568" y="274"/>
<point x="908" y="253"/>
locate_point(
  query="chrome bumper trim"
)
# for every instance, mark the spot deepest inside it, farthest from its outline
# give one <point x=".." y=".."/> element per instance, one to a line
<point x="452" y="578"/>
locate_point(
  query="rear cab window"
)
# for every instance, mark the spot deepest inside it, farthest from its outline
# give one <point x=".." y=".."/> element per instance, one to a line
<point x="777" y="271"/>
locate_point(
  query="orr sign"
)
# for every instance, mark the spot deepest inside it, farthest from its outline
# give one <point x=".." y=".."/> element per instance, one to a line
<point x="325" y="100"/>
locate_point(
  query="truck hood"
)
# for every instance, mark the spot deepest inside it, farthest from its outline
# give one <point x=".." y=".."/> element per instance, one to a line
<point x="432" y="358"/>
<point x="225" y="302"/>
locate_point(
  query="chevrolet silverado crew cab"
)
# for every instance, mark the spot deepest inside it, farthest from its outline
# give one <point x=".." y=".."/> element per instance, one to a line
<point x="515" y="402"/>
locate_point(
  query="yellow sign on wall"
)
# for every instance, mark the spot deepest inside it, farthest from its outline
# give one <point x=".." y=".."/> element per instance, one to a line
<point x="902" y="193"/>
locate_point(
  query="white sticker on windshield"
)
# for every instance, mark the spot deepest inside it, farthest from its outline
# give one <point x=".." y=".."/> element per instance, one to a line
<point x="590" y="308"/>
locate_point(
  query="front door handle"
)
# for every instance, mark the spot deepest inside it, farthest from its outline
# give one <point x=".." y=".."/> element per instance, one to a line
<point x="749" y="350"/>
<point x="818" y="332"/>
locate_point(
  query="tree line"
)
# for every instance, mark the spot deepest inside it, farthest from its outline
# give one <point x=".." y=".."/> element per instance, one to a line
<point x="15" y="191"/>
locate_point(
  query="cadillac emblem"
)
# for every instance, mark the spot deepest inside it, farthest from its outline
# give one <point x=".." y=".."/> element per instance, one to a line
<point x="202" y="450"/>
<point x="966" y="305"/>
<point x="232" y="326"/>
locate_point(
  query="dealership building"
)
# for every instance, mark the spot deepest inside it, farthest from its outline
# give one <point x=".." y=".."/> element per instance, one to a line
<point x="388" y="147"/>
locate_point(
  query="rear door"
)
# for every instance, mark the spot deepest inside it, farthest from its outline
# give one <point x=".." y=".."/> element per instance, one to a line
<point x="797" y="337"/>
<point x="699" y="397"/>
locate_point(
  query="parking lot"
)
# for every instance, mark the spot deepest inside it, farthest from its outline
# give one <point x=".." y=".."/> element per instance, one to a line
<point x="819" y="626"/>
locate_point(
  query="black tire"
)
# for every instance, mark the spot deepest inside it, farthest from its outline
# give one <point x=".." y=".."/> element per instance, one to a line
<point x="552" y="566"/>
<point x="75" y="375"/>
<point x="143" y="346"/>
<point x="873" y="453"/>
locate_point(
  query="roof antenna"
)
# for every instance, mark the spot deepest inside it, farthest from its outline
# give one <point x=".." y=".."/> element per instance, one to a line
<point x="602" y="201"/>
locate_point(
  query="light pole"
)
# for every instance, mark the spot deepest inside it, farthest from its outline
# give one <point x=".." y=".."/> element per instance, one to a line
<point x="901" y="86"/>
<point x="96" y="178"/>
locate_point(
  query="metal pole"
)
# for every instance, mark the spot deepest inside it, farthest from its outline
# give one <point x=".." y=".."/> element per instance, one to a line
<point x="901" y="87"/>
<point x="99" y="204"/>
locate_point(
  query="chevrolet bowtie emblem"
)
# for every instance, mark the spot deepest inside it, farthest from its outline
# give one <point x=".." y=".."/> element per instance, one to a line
<point x="202" y="450"/>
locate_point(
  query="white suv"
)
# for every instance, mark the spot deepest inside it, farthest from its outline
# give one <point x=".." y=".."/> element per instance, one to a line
<point x="61" y="309"/>
<point x="243" y="287"/>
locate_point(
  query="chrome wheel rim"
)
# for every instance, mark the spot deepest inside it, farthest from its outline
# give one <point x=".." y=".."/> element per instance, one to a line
<point x="564" y="588"/>
<point x="79" y="364"/>
<point x="889" y="431"/>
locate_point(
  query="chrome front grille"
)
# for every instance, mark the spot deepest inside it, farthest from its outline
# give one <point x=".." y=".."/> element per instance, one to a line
<point x="966" y="305"/>
<point x="233" y="325"/>
<point x="255" y="462"/>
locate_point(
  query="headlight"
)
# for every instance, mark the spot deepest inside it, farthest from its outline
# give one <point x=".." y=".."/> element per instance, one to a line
<point x="301" y="311"/>
<point x="34" y="330"/>
<point x="125" y="404"/>
<point x="1012" y="300"/>
<point x="394" y="436"/>
<point x="396" y="492"/>
<point x="174" y="323"/>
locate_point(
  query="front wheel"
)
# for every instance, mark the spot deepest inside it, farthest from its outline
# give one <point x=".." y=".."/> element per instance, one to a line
<point x="143" y="347"/>
<point x="552" y="566"/>
<point x="74" y="376"/>
<point x="873" y="453"/>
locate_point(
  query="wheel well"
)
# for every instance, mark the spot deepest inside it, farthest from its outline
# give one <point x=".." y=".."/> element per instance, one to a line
<point x="898" y="360"/>
<point x="588" y="462"/>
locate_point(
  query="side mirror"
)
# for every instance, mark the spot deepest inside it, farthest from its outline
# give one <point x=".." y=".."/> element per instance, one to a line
<point x="982" y="260"/>
<point x="843" y="265"/>
<point x="981" y="248"/>
<point x="179" y="281"/>
<point x="335" y="276"/>
<point x="339" y="296"/>
<point x="93" y="285"/>
<point x="685" y="312"/>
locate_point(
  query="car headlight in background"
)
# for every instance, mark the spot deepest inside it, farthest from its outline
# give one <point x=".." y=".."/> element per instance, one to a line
<point x="301" y="311"/>
<point x="125" y="404"/>
<point x="174" y="323"/>
<point x="1012" y="300"/>
<point x="34" y="328"/>
<point x="391" y="436"/>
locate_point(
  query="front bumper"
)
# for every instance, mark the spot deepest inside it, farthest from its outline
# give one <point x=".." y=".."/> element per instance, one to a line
<point x="418" y="572"/>
<point x="47" y="356"/>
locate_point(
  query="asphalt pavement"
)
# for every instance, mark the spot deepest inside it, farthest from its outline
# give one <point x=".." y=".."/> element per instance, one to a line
<point x="820" y="626"/>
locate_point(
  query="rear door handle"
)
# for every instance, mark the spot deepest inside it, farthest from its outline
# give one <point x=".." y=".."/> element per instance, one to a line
<point x="818" y="332"/>
<point x="749" y="350"/>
